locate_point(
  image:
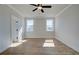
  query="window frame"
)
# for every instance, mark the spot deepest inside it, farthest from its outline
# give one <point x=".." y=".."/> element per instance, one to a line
<point x="48" y="26"/>
<point x="27" y="25"/>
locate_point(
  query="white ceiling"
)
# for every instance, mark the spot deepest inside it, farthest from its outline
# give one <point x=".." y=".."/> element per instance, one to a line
<point x="26" y="10"/>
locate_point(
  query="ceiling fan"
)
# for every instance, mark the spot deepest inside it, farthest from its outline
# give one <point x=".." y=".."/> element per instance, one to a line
<point x="40" y="7"/>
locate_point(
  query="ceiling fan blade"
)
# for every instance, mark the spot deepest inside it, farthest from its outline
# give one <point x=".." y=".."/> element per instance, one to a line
<point x="42" y="10"/>
<point x="38" y="4"/>
<point x="35" y="9"/>
<point x="46" y="6"/>
<point x="33" y="4"/>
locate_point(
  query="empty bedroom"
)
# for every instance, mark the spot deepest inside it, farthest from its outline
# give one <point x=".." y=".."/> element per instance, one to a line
<point x="39" y="29"/>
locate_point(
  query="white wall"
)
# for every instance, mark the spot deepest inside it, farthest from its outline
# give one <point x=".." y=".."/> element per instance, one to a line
<point x="5" y="26"/>
<point x="67" y="27"/>
<point x="39" y="29"/>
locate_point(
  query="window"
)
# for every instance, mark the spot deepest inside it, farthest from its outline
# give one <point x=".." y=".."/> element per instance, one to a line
<point x="29" y="26"/>
<point x="49" y="25"/>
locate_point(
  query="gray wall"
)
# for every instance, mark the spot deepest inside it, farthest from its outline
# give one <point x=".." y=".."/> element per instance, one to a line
<point x="5" y="26"/>
<point x="39" y="29"/>
<point x="67" y="27"/>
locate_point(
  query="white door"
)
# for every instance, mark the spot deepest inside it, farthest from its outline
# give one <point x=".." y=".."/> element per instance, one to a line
<point x="14" y="28"/>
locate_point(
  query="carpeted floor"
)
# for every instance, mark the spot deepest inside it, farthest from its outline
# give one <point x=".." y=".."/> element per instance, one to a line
<point x="39" y="46"/>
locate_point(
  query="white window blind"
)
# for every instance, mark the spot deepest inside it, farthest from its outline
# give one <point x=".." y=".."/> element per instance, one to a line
<point x="29" y="25"/>
<point x="49" y="25"/>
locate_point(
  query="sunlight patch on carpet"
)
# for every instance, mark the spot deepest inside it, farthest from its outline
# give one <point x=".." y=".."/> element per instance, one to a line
<point x="17" y="43"/>
<point x="49" y="43"/>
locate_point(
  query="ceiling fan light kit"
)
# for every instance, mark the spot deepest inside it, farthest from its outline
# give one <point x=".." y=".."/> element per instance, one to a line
<point x="39" y="8"/>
